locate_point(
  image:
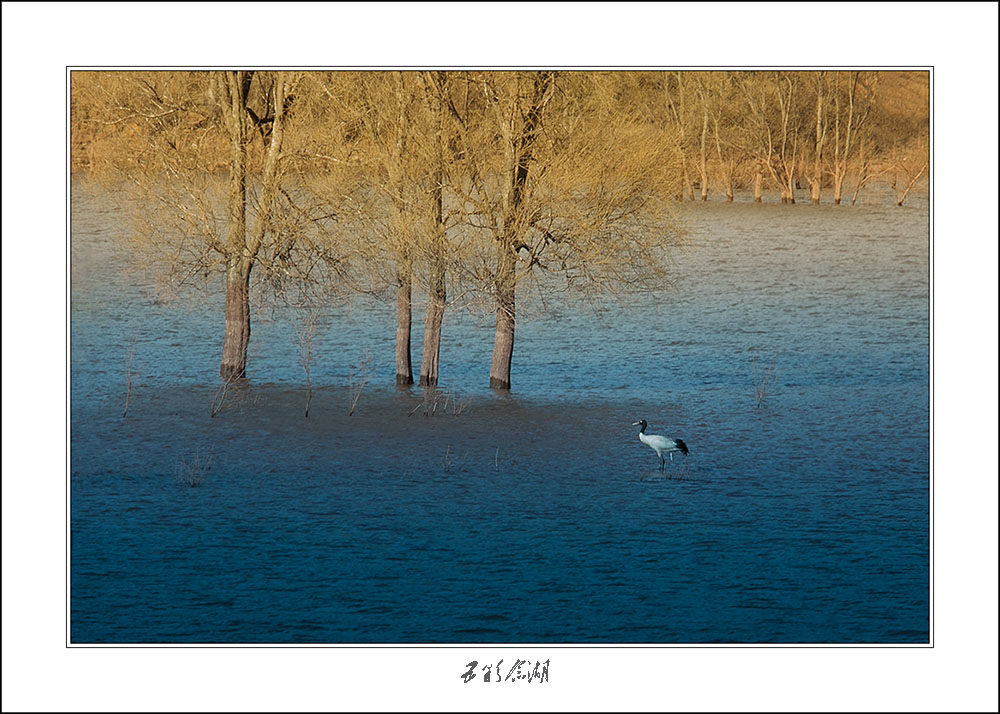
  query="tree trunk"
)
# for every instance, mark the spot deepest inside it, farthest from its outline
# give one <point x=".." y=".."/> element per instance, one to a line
<point x="909" y="185"/>
<point x="503" y="340"/>
<point x="677" y="110"/>
<point x="237" y="340"/>
<point x="857" y="189"/>
<point x="404" y="289"/>
<point x="235" y="86"/>
<point x="432" y="329"/>
<point x="788" y="195"/>
<point x="725" y="166"/>
<point x="436" y="297"/>
<point x="816" y="181"/>
<point x="404" y="269"/>
<point x="703" y="165"/>
<point x="518" y="145"/>
<point x="758" y="181"/>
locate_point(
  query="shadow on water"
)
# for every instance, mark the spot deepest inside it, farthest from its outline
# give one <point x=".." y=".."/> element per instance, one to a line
<point x="391" y="527"/>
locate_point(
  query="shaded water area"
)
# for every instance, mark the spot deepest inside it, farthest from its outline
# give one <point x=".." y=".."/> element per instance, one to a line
<point x="535" y="517"/>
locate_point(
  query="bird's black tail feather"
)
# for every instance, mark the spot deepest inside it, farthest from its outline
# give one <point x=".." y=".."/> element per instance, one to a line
<point x="682" y="446"/>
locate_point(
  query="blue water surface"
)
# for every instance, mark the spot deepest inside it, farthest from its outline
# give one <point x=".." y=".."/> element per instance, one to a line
<point x="535" y="517"/>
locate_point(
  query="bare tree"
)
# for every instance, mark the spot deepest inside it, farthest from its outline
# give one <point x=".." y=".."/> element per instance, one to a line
<point x="565" y="176"/>
<point x="703" y="154"/>
<point x="816" y="178"/>
<point x="392" y="161"/>
<point x="437" y="99"/>
<point x="772" y="100"/>
<point x="518" y="105"/>
<point x="675" y="96"/>
<point x="912" y="162"/>
<point x="718" y="98"/>
<point x="242" y="248"/>
<point x="162" y="138"/>
<point x="402" y="97"/>
<point x="787" y="154"/>
<point x="497" y="137"/>
<point x="853" y="100"/>
<point x="482" y="188"/>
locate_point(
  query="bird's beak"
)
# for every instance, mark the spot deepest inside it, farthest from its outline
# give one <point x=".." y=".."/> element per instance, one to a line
<point x="636" y="423"/>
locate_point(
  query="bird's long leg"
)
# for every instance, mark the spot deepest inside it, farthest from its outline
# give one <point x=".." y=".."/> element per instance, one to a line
<point x="662" y="463"/>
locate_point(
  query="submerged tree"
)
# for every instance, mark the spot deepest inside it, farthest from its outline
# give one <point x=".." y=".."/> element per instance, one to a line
<point x="718" y="97"/>
<point x="384" y="178"/>
<point x="242" y="247"/>
<point x="506" y="185"/>
<point x="774" y="119"/>
<point x="380" y="107"/>
<point x="677" y="109"/>
<point x="162" y="139"/>
<point x="853" y="100"/>
<point x="517" y="104"/>
<point x="819" y="137"/>
<point x="436" y="100"/>
<point x="561" y="174"/>
<point x="399" y="223"/>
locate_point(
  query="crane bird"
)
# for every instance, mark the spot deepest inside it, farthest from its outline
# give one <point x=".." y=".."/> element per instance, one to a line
<point x="660" y="444"/>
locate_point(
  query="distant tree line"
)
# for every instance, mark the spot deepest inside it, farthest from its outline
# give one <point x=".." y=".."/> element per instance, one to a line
<point x="467" y="185"/>
<point x="788" y="130"/>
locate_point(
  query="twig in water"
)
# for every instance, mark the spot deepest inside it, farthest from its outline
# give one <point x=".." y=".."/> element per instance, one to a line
<point x="220" y="395"/>
<point x="305" y="333"/>
<point x="359" y="380"/>
<point x="432" y="398"/>
<point x="763" y="379"/>
<point x="128" y="376"/>
<point x="913" y="180"/>
<point x="428" y="400"/>
<point x="191" y="472"/>
<point x="458" y="406"/>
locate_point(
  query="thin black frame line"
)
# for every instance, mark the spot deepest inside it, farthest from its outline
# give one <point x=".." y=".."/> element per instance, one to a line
<point x="930" y="346"/>
<point x="69" y="362"/>
<point x="504" y="68"/>
<point x="932" y="584"/>
<point x="489" y="645"/>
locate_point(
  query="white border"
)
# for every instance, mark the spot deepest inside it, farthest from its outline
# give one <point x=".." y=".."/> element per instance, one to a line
<point x="959" y="40"/>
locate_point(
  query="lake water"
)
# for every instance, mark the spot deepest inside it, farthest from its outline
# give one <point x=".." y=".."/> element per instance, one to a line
<point x="536" y="517"/>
